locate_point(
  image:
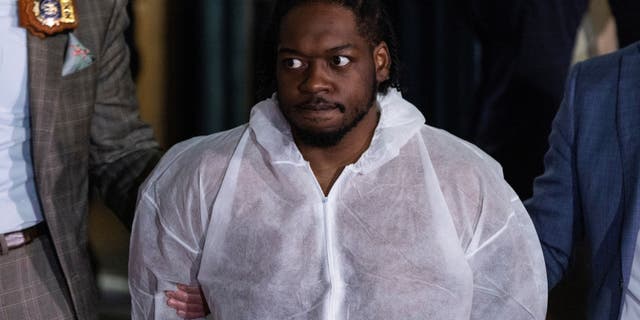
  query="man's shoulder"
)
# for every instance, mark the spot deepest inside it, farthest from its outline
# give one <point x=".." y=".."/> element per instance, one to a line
<point x="613" y="57"/>
<point x="103" y="9"/>
<point x="470" y="180"/>
<point x="192" y="157"/>
<point x="96" y="19"/>
<point x="461" y="167"/>
<point x="102" y="4"/>
<point x="594" y="86"/>
<point x="204" y="150"/>
<point x="448" y="152"/>
<point x="604" y="68"/>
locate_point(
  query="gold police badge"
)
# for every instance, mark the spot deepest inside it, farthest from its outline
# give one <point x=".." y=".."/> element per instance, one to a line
<point x="47" y="17"/>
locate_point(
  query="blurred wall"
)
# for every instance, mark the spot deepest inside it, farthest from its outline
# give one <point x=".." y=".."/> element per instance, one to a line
<point x="151" y="41"/>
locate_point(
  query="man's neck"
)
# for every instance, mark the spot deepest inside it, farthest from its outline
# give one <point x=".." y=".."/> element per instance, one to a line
<point x="328" y="162"/>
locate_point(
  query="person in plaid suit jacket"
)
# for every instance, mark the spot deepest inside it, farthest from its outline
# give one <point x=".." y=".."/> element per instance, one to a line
<point x="85" y="134"/>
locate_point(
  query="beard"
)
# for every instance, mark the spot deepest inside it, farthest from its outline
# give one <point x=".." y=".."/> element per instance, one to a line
<point x="328" y="139"/>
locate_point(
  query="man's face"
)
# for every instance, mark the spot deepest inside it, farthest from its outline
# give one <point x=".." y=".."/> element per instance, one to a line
<point x="326" y="72"/>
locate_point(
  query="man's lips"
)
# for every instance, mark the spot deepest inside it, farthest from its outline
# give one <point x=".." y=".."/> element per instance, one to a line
<point x="318" y="107"/>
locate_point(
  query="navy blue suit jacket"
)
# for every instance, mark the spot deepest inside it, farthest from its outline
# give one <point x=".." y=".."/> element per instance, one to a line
<point x="590" y="189"/>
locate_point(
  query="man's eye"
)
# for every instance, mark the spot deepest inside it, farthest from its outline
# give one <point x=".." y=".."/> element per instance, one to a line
<point x="340" y="61"/>
<point x="292" y="63"/>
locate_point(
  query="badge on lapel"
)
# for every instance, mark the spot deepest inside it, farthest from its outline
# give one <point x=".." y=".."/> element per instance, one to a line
<point x="47" y="17"/>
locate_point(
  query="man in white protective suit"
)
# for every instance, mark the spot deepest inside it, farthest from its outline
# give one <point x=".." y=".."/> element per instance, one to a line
<point x="335" y="201"/>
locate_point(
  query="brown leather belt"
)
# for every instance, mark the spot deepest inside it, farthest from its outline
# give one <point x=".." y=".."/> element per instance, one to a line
<point x="17" y="239"/>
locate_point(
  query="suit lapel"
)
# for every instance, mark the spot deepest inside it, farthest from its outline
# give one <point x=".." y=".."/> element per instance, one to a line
<point x="46" y="57"/>
<point x="628" y="119"/>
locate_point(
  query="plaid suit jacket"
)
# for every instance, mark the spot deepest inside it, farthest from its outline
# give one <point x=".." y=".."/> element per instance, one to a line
<point x="86" y="133"/>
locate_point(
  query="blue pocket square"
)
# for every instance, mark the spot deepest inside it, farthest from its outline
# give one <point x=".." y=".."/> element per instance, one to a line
<point x="77" y="58"/>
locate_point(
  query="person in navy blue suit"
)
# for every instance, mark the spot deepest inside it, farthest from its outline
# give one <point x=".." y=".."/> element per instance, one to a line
<point x="590" y="189"/>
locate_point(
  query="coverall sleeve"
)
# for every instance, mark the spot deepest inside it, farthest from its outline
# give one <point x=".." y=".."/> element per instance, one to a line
<point x="506" y="259"/>
<point x="165" y="251"/>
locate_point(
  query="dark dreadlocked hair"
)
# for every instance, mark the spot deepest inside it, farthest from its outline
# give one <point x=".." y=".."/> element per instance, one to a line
<point x="373" y="24"/>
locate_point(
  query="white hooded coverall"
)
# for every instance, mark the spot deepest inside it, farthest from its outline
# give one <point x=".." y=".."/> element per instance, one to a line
<point x="422" y="226"/>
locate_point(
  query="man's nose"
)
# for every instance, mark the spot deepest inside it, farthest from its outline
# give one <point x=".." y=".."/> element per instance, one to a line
<point x="317" y="79"/>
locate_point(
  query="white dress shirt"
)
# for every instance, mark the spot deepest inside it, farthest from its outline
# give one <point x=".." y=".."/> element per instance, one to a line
<point x="19" y="206"/>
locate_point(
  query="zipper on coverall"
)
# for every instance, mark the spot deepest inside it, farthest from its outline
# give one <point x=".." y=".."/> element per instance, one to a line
<point x="337" y="285"/>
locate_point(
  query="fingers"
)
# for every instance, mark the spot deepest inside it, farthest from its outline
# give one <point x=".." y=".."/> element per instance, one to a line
<point x="181" y="296"/>
<point x="187" y="305"/>
<point x="184" y="303"/>
<point x="195" y="296"/>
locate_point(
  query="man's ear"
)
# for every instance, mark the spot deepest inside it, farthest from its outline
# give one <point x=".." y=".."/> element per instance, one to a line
<point x="382" y="61"/>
